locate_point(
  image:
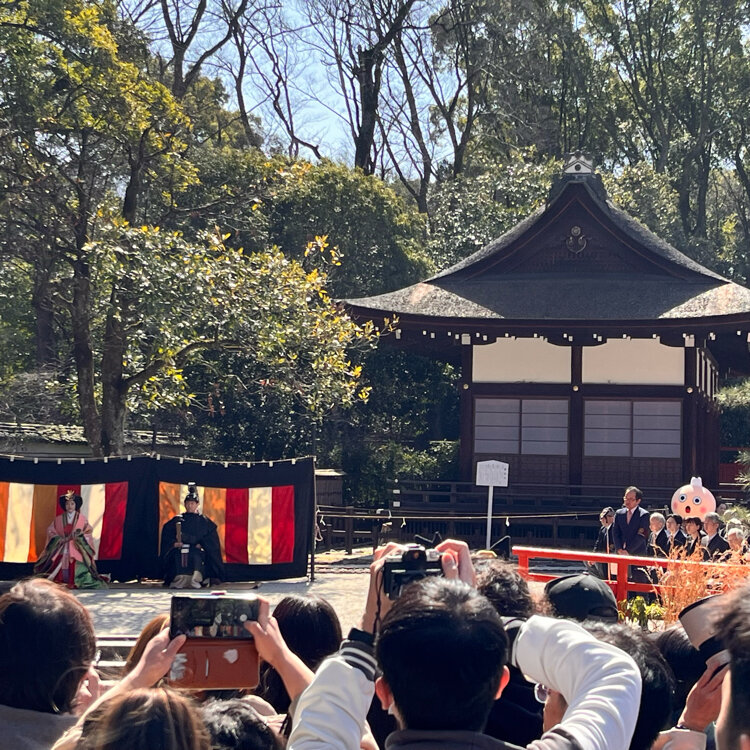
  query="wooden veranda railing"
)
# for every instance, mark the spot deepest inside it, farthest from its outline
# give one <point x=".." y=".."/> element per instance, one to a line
<point x="413" y="494"/>
<point x="348" y="527"/>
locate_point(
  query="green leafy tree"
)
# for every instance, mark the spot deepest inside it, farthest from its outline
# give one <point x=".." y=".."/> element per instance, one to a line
<point x="377" y="236"/>
<point x="16" y="319"/>
<point x="680" y="66"/>
<point x="471" y="210"/>
<point x="85" y="128"/>
<point x="734" y="402"/>
<point x="162" y="299"/>
<point x="408" y="428"/>
<point x="262" y="200"/>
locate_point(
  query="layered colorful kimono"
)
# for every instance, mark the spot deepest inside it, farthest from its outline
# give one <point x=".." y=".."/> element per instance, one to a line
<point x="69" y="554"/>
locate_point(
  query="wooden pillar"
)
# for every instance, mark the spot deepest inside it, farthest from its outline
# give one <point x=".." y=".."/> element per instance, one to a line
<point x="466" y="414"/>
<point x="709" y="436"/>
<point x="690" y="416"/>
<point x="349" y="531"/>
<point x="575" y="419"/>
<point x="715" y="441"/>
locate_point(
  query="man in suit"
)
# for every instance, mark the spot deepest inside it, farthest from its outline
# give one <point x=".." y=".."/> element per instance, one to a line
<point x="631" y="526"/>
<point x="677" y="536"/>
<point x="716" y="544"/>
<point x="631" y="530"/>
<point x="658" y="540"/>
<point x="696" y="545"/>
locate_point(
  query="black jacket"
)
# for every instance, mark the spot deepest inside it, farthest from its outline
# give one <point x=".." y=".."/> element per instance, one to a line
<point x="658" y="544"/>
<point x="679" y="539"/>
<point x="632" y="536"/>
<point x="717" y="545"/>
<point x="693" y="545"/>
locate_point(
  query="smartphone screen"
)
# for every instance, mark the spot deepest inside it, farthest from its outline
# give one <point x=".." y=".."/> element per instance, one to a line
<point x="212" y="615"/>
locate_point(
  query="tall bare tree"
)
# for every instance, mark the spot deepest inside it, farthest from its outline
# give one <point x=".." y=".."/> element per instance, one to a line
<point x="354" y="37"/>
<point x="196" y="32"/>
<point x="264" y="58"/>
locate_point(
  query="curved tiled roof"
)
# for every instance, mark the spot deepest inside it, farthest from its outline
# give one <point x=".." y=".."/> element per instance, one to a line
<point x="676" y="287"/>
<point x="628" y="224"/>
<point x="559" y="297"/>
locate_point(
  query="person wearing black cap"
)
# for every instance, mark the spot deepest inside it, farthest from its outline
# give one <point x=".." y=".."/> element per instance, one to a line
<point x="439" y="663"/>
<point x="581" y="596"/>
<point x="190" y="548"/>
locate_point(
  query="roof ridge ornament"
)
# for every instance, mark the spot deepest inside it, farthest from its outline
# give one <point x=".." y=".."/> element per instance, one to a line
<point x="578" y="162"/>
<point x="579" y="168"/>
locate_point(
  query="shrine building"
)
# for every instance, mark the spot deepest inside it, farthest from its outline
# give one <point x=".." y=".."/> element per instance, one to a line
<point x="590" y="349"/>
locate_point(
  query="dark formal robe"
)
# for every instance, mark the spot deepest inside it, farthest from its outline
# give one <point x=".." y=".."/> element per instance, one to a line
<point x="605" y="541"/>
<point x="717" y="545"/>
<point x="633" y="536"/>
<point x="606" y="545"/>
<point x="196" y="530"/>
<point x="658" y="544"/>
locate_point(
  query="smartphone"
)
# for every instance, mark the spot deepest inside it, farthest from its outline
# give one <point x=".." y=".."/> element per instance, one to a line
<point x="219" y="654"/>
<point x="214" y="615"/>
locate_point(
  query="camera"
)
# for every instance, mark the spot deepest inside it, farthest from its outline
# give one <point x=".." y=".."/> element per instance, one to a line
<point x="219" y="653"/>
<point x="414" y="563"/>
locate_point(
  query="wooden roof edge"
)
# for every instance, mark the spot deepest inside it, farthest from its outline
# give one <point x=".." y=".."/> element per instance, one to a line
<point x="715" y="323"/>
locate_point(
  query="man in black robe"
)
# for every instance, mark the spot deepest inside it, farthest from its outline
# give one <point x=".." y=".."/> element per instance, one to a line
<point x="190" y="549"/>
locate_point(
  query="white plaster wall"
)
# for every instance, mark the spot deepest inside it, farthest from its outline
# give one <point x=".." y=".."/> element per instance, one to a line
<point x="634" y="361"/>
<point x="521" y="361"/>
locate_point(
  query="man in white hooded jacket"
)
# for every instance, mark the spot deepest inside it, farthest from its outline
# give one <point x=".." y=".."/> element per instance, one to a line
<point x="442" y="650"/>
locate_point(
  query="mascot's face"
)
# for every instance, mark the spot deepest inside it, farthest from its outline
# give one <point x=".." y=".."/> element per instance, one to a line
<point x="693" y="500"/>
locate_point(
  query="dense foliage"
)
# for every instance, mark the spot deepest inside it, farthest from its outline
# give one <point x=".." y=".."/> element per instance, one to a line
<point x="170" y="258"/>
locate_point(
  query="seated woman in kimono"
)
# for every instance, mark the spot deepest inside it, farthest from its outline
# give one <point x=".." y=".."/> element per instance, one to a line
<point x="69" y="555"/>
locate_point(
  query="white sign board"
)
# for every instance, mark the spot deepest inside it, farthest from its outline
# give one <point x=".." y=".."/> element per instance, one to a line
<point x="492" y="474"/>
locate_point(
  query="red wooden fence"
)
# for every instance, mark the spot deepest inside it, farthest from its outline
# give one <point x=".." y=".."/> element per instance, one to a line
<point x="621" y="586"/>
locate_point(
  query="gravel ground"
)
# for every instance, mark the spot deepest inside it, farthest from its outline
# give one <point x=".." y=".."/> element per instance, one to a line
<point x="123" y="609"/>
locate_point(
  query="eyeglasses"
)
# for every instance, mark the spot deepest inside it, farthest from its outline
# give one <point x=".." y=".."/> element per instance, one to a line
<point x="541" y="692"/>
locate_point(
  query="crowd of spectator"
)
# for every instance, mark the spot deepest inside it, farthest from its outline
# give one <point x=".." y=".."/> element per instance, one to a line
<point x="464" y="660"/>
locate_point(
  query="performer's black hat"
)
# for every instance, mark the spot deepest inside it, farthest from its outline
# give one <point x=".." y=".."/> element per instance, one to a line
<point x="192" y="493"/>
<point x="77" y="498"/>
